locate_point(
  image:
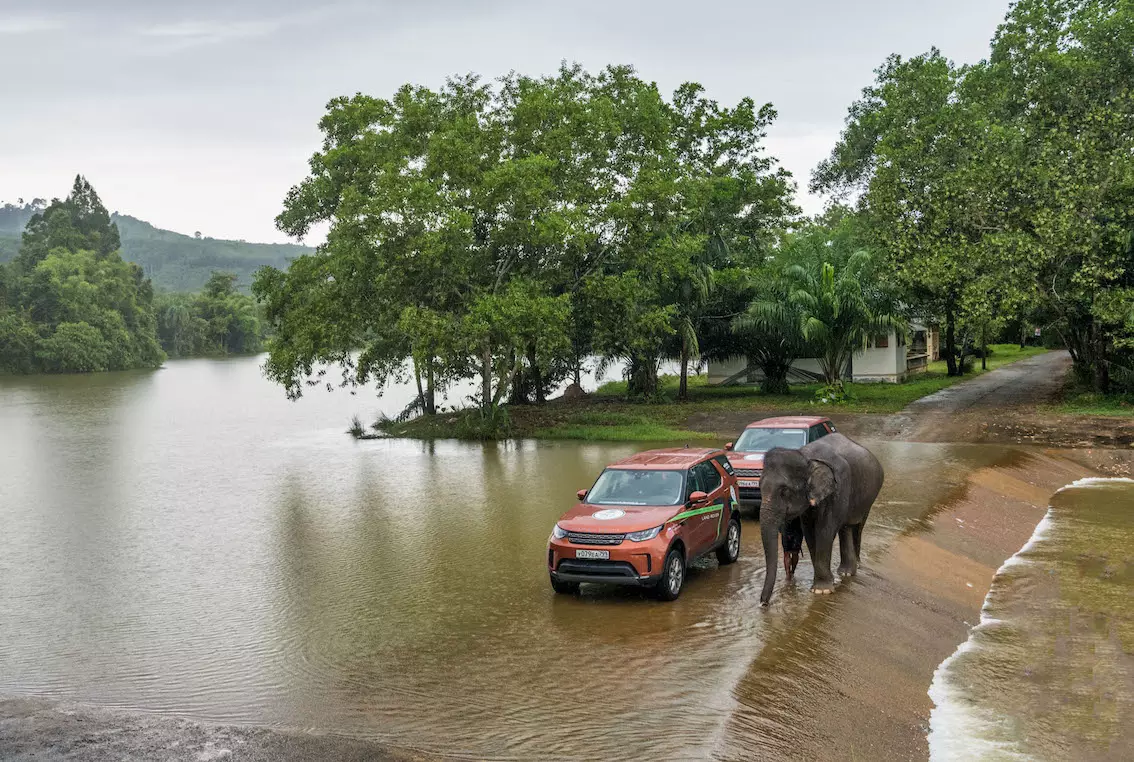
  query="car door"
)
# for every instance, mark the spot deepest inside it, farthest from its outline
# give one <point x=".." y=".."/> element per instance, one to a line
<point x="706" y="525"/>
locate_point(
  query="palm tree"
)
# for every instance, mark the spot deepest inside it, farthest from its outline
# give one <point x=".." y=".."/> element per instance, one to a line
<point x="771" y="331"/>
<point x="693" y="290"/>
<point x="838" y="312"/>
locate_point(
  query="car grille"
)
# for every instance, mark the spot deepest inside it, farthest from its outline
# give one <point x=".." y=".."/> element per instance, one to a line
<point x="747" y="472"/>
<point x="749" y="493"/>
<point x="585" y="538"/>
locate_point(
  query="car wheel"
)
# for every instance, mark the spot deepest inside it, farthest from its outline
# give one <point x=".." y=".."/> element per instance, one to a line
<point x="730" y="551"/>
<point x="564" y="588"/>
<point x="673" y="576"/>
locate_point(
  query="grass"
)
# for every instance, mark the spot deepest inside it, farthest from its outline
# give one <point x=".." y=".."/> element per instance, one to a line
<point x="608" y="416"/>
<point x="596" y="426"/>
<point x="1079" y="400"/>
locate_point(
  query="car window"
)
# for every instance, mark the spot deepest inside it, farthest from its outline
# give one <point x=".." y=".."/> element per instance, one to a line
<point x="818" y="431"/>
<point x="762" y="440"/>
<point x="625" y="486"/>
<point x="728" y="469"/>
<point x="708" y="477"/>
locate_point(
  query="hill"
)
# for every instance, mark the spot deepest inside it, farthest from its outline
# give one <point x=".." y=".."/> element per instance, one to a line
<point x="174" y="262"/>
<point x="179" y="262"/>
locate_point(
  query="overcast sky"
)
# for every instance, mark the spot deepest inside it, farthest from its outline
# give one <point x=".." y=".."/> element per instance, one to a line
<point x="199" y="115"/>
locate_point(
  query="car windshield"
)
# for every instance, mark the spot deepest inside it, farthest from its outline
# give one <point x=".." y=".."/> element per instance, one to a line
<point x="762" y="440"/>
<point x="623" y="486"/>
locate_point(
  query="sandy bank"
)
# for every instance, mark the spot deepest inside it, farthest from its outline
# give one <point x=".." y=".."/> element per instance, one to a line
<point x="861" y="692"/>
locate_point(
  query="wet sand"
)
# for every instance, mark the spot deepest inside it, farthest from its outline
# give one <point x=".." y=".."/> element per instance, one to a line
<point x="861" y="692"/>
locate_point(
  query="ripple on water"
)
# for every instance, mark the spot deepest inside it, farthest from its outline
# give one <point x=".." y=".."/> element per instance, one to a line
<point x="1049" y="671"/>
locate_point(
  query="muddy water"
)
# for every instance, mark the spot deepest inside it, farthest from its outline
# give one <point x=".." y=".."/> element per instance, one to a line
<point x="1049" y="672"/>
<point x="189" y="542"/>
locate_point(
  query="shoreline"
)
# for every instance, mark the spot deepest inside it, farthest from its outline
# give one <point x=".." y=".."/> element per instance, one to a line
<point x="886" y="633"/>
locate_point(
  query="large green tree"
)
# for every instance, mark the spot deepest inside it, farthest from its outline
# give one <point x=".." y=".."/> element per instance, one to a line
<point x="70" y="303"/>
<point x="506" y="232"/>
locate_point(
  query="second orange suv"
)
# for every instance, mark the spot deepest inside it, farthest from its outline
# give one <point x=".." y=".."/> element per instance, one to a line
<point x="747" y="454"/>
<point x="646" y="518"/>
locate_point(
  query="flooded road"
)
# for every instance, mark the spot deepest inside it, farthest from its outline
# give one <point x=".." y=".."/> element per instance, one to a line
<point x="189" y="542"/>
<point x="1049" y="672"/>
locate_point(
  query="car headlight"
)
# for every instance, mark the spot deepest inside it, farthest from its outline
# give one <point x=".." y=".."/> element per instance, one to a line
<point x="558" y="532"/>
<point x="645" y="534"/>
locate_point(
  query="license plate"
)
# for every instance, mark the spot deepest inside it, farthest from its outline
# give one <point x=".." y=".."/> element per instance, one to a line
<point x="749" y="483"/>
<point x="603" y="554"/>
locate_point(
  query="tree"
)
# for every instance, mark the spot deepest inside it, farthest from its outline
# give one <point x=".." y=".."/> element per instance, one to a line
<point x="581" y="198"/>
<point x="835" y="310"/>
<point x="89" y="310"/>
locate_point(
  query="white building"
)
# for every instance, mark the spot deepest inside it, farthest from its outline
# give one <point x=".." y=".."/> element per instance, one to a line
<point x="887" y="358"/>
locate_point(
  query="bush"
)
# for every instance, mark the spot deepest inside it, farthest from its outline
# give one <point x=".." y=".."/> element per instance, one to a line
<point x="74" y="348"/>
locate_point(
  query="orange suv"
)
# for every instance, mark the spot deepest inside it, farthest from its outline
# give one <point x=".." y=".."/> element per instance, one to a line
<point x="646" y="518"/>
<point x="747" y="455"/>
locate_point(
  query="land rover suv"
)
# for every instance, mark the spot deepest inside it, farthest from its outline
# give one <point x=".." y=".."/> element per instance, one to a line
<point x="646" y="518"/>
<point x="747" y="454"/>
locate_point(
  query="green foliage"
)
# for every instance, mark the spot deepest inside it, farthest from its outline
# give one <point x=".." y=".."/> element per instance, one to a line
<point x="1006" y="188"/>
<point x="68" y="302"/>
<point x="74" y="348"/>
<point x="219" y="320"/>
<point x="507" y="232"/>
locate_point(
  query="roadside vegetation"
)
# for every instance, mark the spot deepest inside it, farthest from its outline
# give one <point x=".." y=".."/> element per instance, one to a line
<point x="611" y="414"/>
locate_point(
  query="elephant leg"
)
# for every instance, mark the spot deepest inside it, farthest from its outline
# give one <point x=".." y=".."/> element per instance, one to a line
<point x="856" y="534"/>
<point x="821" y="559"/>
<point x="848" y="558"/>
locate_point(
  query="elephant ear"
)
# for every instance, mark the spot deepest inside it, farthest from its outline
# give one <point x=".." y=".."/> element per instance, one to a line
<point x="820" y="482"/>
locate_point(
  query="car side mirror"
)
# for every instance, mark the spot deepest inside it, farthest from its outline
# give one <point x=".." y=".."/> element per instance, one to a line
<point x="581" y="494"/>
<point x="698" y="497"/>
<point x="728" y="447"/>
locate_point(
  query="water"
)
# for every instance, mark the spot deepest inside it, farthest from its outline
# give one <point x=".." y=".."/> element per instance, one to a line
<point x="1049" y="672"/>
<point x="189" y="542"/>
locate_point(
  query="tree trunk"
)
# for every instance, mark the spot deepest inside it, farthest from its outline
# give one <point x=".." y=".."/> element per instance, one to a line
<point x="683" y="384"/>
<point x="1098" y="350"/>
<point x="537" y="376"/>
<point x="429" y="399"/>
<point x="417" y="378"/>
<point x="643" y="378"/>
<point x="951" y="341"/>
<point x="486" y="378"/>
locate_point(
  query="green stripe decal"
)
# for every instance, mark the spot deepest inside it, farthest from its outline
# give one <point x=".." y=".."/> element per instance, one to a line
<point x="697" y="512"/>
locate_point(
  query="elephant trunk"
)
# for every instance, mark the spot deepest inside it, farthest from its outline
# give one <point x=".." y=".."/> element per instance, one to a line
<point x="770" y="533"/>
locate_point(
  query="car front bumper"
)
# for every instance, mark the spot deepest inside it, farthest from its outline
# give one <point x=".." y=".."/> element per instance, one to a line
<point x="630" y="563"/>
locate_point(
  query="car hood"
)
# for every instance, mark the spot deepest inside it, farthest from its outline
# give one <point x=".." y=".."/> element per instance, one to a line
<point x="622" y="518"/>
<point x="746" y="459"/>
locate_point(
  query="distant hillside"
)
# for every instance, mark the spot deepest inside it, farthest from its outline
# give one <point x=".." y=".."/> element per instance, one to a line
<point x="182" y="263"/>
<point x="173" y="261"/>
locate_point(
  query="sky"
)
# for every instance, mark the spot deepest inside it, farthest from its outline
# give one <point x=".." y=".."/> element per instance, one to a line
<point x="199" y="115"/>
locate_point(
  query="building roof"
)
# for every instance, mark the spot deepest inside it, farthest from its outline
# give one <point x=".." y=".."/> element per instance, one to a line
<point x="788" y="422"/>
<point x="671" y="458"/>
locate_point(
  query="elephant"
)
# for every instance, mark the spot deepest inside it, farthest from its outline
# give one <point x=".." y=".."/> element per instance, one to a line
<point x="830" y="485"/>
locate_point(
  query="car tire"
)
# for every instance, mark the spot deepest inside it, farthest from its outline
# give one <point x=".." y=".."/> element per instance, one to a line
<point x="564" y="588"/>
<point x="730" y="550"/>
<point x="673" y="576"/>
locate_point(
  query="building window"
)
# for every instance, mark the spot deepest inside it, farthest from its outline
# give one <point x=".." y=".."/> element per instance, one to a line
<point x="881" y="341"/>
